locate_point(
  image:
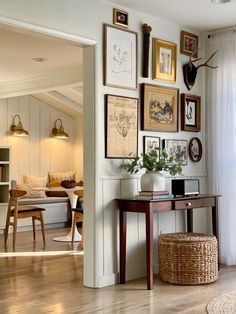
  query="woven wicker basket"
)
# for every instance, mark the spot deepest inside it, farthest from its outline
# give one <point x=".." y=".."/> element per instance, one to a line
<point x="188" y="258"/>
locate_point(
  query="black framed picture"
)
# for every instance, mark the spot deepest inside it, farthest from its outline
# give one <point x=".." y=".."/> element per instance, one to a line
<point x="195" y="149"/>
<point x="150" y="143"/>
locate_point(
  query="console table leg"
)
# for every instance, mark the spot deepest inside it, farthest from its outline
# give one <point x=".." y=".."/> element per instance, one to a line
<point x="122" y="246"/>
<point x="215" y="226"/>
<point x="149" y="249"/>
<point x="189" y="220"/>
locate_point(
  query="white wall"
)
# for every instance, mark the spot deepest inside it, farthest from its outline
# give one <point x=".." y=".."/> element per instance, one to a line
<point x="86" y="18"/>
<point x="39" y="153"/>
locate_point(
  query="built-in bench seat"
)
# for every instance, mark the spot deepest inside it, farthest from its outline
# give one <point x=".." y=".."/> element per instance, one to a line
<point x="43" y="200"/>
<point x="56" y="209"/>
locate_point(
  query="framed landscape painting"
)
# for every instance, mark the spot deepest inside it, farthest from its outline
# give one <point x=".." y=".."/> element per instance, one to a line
<point x="120" y="57"/>
<point x="159" y="108"/>
<point x="121" y="127"/>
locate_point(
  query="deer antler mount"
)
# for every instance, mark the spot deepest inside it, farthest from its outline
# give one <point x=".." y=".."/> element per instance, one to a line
<point x="190" y="70"/>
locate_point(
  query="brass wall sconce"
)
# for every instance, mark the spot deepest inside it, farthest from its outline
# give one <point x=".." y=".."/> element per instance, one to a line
<point x="59" y="132"/>
<point x="18" y="130"/>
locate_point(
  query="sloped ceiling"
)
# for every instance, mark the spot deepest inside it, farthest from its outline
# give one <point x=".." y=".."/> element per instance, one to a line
<point x="57" y="79"/>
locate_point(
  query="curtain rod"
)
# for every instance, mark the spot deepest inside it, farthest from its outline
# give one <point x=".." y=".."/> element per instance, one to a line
<point x="221" y="30"/>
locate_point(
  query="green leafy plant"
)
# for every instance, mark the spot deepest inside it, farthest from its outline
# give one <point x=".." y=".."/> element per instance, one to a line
<point x="155" y="160"/>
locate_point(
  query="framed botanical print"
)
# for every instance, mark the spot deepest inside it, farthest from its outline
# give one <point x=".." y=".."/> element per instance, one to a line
<point x="164" y="60"/>
<point x="120" y="57"/>
<point x="150" y="143"/>
<point x="189" y="44"/>
<point x="176" y="149"/>
<point x="159" y="108"/>
<point x="121" y="127"/>
<point x="190" y="113"/>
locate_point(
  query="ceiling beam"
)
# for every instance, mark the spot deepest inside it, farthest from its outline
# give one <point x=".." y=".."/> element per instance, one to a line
<point x="40" y="84"/>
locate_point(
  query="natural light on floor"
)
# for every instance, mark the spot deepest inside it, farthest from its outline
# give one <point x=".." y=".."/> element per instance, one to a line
<point x="51" y="253"/>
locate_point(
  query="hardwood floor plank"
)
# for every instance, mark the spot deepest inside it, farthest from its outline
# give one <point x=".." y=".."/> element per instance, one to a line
<point x="37" y="280"/>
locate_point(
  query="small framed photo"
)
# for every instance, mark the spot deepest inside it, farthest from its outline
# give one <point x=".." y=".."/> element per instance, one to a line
<point x="150" y="143"/>
<point x="189" y="44"/>
<point x="190" y="113"/>
<point x="120" y="57"/>
<point x="159" y="108"/>
<point x="120" y="18"/>
<point x="176" y="149"/>
<point x="164" y="60"/>
<point x="195" y="149"/>
<point x="121" y="127"/>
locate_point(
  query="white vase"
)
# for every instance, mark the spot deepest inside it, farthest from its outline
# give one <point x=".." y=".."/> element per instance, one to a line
<point x="152" y="181"/>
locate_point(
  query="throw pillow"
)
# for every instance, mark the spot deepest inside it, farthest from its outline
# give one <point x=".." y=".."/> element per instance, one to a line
<point x="29" y="188"/>
<point x="38" y="181"/>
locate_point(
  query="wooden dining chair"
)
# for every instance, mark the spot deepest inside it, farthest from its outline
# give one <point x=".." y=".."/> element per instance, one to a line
<point x="16" y="211"/>
<point x="77" y="216"/>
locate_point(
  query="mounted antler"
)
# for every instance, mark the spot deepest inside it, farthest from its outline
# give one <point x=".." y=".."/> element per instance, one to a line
<point x="190" y="70"/>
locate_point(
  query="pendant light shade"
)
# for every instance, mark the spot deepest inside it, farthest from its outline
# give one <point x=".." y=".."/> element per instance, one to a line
<point x="59" y="132"/>
<point x="18" y="130"/>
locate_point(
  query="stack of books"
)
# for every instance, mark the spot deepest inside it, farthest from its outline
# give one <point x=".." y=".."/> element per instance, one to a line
<point x="154" y="195"/>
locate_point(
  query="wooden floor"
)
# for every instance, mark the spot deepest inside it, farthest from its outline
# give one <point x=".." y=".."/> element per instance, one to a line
<point x="36" y="280"/>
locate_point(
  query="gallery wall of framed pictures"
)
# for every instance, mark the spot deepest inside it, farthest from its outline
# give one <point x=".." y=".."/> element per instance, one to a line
<point x="160" y="106"/>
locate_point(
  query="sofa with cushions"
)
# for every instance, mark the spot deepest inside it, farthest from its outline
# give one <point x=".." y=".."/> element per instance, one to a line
<point x="55" y="202"/>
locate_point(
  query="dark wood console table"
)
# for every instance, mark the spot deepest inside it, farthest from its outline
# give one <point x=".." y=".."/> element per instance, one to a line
<point x="148" y="207"/>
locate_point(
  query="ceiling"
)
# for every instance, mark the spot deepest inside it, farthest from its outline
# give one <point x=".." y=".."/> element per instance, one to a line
<point x="57" y="80"/>
<point x="200" y="15"/>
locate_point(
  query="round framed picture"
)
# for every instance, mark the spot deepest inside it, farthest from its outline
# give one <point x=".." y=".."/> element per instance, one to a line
<point x="195" y="149"/>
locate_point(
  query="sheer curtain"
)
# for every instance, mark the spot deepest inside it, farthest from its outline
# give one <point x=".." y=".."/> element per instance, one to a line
<point x="221" y="138"/>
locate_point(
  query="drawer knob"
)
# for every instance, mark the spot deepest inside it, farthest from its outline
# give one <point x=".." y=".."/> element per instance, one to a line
<point x="188" y="204"/>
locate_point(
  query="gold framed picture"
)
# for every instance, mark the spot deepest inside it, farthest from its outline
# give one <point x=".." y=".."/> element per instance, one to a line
<point x="190" y="113"/>
<point x="189" y="44"/>
<point x="121" y="127"/>
<point x="120" y="18"/>
<point x="159" y="108"/>
<point x="164" y="60"/>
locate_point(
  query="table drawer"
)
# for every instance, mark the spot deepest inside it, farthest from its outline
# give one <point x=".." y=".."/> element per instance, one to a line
<point x="189" y="203"/>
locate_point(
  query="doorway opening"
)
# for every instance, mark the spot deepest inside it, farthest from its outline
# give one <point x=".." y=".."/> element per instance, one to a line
<point x="44" y="82"/>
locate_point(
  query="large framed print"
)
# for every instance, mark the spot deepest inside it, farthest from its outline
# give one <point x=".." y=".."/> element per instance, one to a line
<point x="120" y="57"/>
<point x="121" y="127"/>
<point x="159" y="108"/>
<point x="190" y="113"/>
<point x="176" y="149"/>
<point x="164" y="60"/>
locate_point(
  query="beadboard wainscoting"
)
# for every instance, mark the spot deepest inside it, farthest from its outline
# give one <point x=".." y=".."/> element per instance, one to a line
<point x="119" y="186"/>
<point x="38" y="153"/>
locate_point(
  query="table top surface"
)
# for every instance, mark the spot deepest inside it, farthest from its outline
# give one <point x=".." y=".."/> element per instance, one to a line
<point x="165" y="199"/>
<point x="58" y="188"/>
